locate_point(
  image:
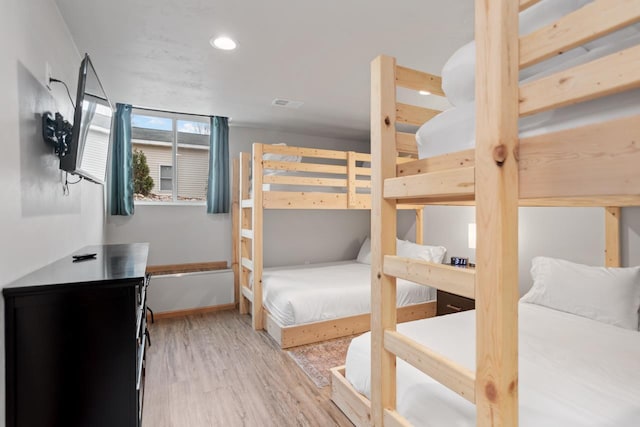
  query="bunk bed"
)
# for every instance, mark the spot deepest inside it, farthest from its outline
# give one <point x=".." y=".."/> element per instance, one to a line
<point x="276" y="176"/>
<point x="581" y="164"/>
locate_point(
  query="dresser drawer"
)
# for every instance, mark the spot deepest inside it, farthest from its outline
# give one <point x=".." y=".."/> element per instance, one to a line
<point x="451" y="303"/>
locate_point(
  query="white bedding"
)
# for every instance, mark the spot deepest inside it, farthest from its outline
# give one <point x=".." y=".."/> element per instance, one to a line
<point x="454" y="129"/>
<point x="312" y="293"/>
<point x="573" y="371"/>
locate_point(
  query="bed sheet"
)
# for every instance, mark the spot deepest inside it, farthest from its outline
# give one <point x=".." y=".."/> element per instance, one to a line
<point x="573" y="371"/>
<point x="313" y="293"/>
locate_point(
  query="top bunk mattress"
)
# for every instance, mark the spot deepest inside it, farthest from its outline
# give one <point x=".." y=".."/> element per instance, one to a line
<point x="573" y="371"/>
<point x="454" y="129"/>
<point x="316" y="292"/>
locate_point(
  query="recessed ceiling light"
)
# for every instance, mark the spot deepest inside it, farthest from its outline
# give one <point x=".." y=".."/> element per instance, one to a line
<point x="224" y="43"/>
<point x="424" y="92"/>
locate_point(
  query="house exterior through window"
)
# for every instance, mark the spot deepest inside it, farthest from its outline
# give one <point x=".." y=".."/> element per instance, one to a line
<point x="176" y="148"/>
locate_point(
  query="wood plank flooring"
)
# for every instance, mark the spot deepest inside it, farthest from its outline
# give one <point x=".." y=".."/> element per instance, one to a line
<point x="213" y="370"/>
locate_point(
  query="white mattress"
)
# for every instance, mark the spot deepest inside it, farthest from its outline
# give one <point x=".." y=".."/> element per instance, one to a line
<point x="573" y="371"/>
<point x="312" y="293"/>
<point x="454" y="129"/>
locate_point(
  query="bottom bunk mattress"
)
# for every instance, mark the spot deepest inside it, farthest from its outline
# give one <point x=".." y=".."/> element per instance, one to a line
<point x="573" y="371"/>
<point x="312" y="293"/>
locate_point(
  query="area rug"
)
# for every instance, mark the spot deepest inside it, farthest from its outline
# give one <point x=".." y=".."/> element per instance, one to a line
<point x="316" y="359"/>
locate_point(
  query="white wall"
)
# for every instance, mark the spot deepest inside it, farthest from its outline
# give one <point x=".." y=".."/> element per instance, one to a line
<point x="182" y="234"/>
<point x="575" y="234"/>
<point x="38" y="224"/>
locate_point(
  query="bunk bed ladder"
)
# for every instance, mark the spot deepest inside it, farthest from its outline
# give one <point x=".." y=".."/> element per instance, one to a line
<point x="493" y="181"/>
<point x="491" y="174"/>
<point x="245" y="232"/>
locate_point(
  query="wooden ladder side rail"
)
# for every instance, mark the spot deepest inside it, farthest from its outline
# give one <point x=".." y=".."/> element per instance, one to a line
<point x="383" y="235"/>
<point x="235" y="226"/>
<point x="496" y="187"/>
<point x="244" y="246"/>
<point x="351" y="180"/>
<point x="257" y="315"/>
<point x="612" y="236"/>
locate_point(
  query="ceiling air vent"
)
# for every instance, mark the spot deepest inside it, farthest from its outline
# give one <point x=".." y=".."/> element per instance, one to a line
<point x="286" y="103"/>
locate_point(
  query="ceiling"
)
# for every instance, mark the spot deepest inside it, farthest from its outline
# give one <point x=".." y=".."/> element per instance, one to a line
<point x="156" y="53"/>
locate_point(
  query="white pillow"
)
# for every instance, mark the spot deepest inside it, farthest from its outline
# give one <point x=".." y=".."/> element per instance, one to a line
<point x="608" y="295"/>
<point x="279" y="158"/>
<point x="409" y="249"/>
<point x="364" y="256"/>
<point x="405" y="249"/>
<point x="458" y="74"/>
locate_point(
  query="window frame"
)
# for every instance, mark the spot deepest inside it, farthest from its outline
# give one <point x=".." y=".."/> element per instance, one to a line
<point x="160" y="178"/>
<point x="175" y="118"/>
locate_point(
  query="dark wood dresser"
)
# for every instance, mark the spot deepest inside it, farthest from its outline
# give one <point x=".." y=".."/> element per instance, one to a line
<point x="75" y="338"/>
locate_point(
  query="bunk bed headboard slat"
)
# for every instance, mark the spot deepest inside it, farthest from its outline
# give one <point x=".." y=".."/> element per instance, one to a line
<point x="588" y="23"/>
<point x="612" y="74"/>
<point x="418" y="80"/>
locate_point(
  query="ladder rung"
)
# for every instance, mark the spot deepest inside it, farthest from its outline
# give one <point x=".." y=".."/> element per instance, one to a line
<point x="247" y="203"/>
<point x="446" y="183"/>
<point x="394" y="419"/>
<point x="247" y="234"/>
<point x="456" y="280"/>
<point x="247" y="263"/>
<point x="450" y="374"/>
<point x="247" y="293"/>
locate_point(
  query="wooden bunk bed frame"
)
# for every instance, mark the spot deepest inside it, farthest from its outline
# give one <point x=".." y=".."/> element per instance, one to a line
<point x="595" y="165"/>
<point x="249" y="173"/>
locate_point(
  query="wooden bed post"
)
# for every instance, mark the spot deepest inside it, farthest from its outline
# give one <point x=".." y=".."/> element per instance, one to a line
<point x="245" y="223"/>
<point x="497" y="212"/>
<point x="420" y="226"/>
<point x="235" y="230"/>
<point x="351" y="179"/>
<point x="257" y="312"/>
<point x="383" y="235"/>
<point x="612" y="236"/>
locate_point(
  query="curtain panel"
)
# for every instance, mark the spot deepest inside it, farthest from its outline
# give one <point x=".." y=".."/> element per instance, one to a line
<point x="121" y="177"/>
<point x="218" y="185"/>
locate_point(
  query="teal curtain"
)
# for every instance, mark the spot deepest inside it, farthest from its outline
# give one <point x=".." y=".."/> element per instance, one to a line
<point x="121" y="179"/>
<point x="218" y="188"/>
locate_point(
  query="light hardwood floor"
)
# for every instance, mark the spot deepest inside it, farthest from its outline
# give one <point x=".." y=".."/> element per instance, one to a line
<point x="214" y="370"/>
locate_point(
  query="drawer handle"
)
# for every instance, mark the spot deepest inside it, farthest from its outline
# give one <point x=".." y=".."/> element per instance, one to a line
<point x="453" y="307"/>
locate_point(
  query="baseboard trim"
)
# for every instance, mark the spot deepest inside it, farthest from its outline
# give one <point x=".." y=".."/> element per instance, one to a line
<point x="191" y="311"/>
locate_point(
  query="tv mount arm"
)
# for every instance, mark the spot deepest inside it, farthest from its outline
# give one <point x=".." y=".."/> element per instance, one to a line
<point x="56" y="131"/>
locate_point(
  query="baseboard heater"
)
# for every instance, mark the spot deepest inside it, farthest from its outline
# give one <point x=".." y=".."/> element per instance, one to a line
<point x="190" y="292"/>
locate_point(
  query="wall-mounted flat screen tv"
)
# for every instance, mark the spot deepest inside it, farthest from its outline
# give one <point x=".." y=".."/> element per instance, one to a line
<point x="89" y="147"/>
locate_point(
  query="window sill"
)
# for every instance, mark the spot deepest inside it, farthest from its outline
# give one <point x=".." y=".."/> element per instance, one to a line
<point x="145" y="203"/>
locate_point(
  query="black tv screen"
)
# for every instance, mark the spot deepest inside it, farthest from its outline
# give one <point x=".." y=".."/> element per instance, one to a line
<point x="89" y="147"/>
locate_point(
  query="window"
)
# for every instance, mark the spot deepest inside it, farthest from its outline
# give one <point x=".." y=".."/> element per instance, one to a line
<point x="176" y="154"/>
<point x="166" y="178"/>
